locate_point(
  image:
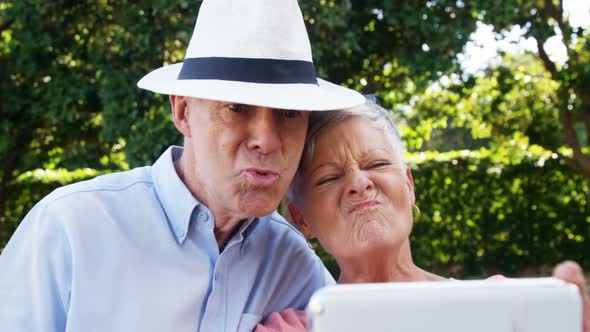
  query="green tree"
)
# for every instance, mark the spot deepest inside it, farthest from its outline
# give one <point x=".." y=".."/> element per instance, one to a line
<point x="571" y="100"/>
<point x="69" y="71"/>
<point x="529" y="98"/>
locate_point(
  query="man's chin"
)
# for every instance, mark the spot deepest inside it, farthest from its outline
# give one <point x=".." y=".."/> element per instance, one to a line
<point x="258" y="205"/>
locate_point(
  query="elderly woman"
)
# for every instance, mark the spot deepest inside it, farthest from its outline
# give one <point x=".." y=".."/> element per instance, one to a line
<point x="355" y="194"/>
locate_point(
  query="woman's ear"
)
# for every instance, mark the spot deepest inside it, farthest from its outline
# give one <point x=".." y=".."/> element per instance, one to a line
<point x="410" y="184"/>
<point x="180" y="109"/>
<point x="299" y="220"/>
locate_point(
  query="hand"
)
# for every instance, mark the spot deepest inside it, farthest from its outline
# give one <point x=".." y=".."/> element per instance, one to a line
<point x="289" y="320"/>
<point x="572" y="272"/>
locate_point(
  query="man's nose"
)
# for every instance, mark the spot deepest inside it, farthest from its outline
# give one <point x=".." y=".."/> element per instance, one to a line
<point x="359" y="183"/>
<point x="264" y="131"/>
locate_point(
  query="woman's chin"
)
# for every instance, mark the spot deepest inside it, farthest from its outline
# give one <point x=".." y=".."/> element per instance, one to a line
<point x="375" y="237"/>
<point x="372" y="232"/>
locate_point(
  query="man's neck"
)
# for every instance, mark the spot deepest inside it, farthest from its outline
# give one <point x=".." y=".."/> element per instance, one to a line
<point x="226" y="224"/>
<point x="224" y="233"/>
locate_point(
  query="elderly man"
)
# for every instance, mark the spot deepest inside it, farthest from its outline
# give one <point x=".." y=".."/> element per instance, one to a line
<point x="190" y="243"/>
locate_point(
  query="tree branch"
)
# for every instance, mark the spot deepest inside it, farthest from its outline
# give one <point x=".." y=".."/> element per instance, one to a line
<point x="549" y="65"/>
<point x="569" y="162"/>
<point x="569" y="131"/>
<point x="556" y="12"/>
<point x="581" y="161"/>
<point x="565" y="29"/>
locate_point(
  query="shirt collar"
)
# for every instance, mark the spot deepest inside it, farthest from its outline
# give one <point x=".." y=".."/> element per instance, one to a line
<point x="176" y="199"/>
<point x="245" y="228"/>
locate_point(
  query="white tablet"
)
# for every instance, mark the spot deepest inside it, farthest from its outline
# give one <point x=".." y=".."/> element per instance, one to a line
<point x="511" y="305"/>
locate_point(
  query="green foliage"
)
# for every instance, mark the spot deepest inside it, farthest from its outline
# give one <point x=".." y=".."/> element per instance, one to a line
<point x="481" y="216"/>
<point x="513" y="105"/>
<point x="384" y="45"/>
<point x="529" y="98"/>
<point x="70" y="97"/>
<point x="69" y="73"/>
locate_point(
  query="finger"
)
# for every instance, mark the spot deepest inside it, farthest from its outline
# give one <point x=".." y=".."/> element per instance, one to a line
<point x="295" y="318"/>
<point x="572" y="272"/>
<point x="497" y="277"/>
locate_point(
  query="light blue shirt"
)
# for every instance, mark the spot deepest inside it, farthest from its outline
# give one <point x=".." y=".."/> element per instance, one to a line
<point x="135" y="251"/>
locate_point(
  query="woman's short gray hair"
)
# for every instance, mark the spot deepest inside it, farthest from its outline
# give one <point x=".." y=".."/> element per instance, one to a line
<point x="319" y="122"/>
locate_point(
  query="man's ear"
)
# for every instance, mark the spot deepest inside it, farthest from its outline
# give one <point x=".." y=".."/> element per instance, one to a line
<point x="410" y="184"/>
<point x="180" y="109"/>
<point x="299" y="220"/>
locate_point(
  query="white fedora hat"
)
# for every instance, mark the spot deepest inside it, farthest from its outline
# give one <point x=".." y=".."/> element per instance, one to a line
<point x="254" y="52"/>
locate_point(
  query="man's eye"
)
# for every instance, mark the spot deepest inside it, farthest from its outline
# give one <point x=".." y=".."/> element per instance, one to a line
<point x="290" y="113"/>
<point x="238" y="108"/>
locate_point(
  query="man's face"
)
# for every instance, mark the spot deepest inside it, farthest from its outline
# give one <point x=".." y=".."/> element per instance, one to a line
<point x="244" y="156"/>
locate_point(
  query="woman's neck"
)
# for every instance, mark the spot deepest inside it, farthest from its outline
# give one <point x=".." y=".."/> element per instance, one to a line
<point x="393" y="265"/>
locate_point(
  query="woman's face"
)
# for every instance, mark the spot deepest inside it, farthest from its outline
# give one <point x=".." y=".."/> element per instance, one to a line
<point x="357" y="196"/>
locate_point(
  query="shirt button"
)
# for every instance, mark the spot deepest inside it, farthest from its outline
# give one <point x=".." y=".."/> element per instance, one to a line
<point x="203" y="216"/>
<point x="180" y="232"/>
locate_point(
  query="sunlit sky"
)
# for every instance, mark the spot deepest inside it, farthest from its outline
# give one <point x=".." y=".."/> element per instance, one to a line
<point x="482" y="49"/>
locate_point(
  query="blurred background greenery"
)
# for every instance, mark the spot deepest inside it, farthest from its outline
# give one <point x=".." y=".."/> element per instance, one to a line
<point x="492" y="98"/>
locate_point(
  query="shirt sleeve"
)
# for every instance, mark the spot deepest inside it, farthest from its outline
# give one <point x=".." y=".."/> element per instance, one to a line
<point x="328" y="279"/>
<point x="309" y="279"/>
<point x="35" y="275"/>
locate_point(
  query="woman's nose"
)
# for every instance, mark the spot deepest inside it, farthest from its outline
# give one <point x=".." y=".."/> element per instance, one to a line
<point x="360" y="183"/>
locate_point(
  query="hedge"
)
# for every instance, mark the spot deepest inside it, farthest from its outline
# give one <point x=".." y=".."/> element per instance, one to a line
<point x="479" y="216"/>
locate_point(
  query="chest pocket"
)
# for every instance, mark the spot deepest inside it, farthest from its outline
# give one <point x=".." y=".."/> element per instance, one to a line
<point x="248" y="322"/>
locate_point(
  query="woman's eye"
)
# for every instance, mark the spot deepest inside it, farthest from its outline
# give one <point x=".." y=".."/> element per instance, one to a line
<point x="290" y="113"/>
<point x="325" y="180"/>
<point x="379" y="164"/>
<point x="238" y="108"/>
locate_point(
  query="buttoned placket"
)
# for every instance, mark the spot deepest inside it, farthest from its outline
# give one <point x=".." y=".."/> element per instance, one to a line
<point x="216" y="304"/>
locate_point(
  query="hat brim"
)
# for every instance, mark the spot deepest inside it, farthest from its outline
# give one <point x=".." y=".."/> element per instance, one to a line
<point x="303" y="97"/>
